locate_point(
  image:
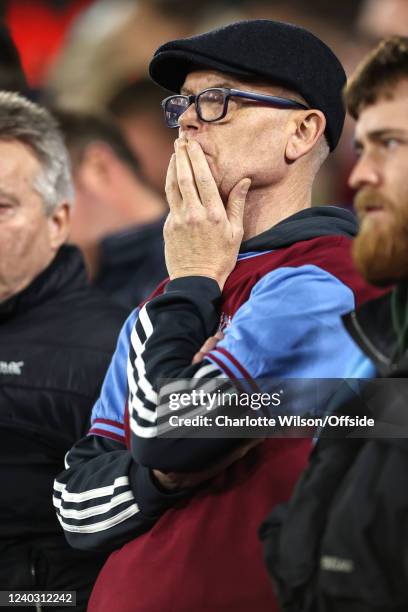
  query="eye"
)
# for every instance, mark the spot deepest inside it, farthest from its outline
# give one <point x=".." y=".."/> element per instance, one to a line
<point x="390" y="143"/>
<point x="5" y="208"/>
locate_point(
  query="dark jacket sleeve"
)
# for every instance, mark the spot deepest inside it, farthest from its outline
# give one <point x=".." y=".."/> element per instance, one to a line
<point x="103" y="499"/>
<point x="170" y="329"/>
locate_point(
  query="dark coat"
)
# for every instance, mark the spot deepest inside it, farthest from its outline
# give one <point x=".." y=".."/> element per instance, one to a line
<point x="341" y="542"/>
<point x="56" y="340"/>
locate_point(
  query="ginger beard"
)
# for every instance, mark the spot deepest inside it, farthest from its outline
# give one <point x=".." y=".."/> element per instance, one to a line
<point x="380" y="250"/>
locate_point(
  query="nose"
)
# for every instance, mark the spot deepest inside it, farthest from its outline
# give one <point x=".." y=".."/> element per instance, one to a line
<point x="189" y="121"/>
<point x="364" y="173"/>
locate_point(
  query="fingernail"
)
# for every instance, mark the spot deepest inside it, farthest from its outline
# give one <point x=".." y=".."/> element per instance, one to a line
<point x="246" y="185"/>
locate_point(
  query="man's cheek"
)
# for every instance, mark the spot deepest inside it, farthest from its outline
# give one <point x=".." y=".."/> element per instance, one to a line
<point x="214" y="164"/>
<point x="9" y="242"/>
<point x="11" y="254"/>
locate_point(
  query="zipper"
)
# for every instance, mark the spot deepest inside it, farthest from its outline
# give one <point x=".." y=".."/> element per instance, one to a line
<point x="37" y="606"/>
<point x="368" y="344"/>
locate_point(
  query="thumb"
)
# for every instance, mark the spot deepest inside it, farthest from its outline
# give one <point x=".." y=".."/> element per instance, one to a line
<point x="236" y="202"/>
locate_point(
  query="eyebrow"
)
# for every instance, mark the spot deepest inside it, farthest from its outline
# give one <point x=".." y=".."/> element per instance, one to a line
<point x="377" y="135"/>
<point x="187" y="92"/>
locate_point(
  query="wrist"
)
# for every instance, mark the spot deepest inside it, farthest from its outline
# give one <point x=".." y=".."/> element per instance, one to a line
<point x="195" y="272"/>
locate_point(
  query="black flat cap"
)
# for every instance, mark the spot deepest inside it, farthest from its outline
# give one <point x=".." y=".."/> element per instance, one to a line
<point x="280" y="52"/>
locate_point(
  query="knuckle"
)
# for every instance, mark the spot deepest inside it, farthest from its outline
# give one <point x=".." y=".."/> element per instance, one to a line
<point x="172" y="224"/>
<point x="176" y="223"/>
<point x="217" y="221"/>
<point x="193" y="219"/>
<point x="214" y="217"/>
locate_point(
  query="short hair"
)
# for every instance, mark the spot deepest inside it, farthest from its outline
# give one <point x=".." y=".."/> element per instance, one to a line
<point x="377" y="75"/>
<point x="34" y="126"/>
<point x="81" y="129"/>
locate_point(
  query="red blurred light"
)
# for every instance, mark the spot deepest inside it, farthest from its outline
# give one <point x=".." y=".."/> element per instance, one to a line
<point x="38" y="31"/>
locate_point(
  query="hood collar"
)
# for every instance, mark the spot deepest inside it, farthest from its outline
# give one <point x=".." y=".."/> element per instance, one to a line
<point x="304" y="225"/>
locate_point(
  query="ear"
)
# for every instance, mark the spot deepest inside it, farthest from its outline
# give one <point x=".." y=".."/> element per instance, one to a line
<point x="58" y="226"/>
<point x="305" y="129"/>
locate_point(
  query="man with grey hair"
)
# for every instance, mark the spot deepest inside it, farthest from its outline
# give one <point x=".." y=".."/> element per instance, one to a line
<point x="56" y="339"/>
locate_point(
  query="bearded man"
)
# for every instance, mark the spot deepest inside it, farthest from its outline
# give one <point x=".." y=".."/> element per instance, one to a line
<point x="342" y="539"/>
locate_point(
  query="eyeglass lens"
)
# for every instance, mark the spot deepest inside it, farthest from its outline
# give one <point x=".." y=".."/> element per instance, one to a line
<point x="210" y="107"/>
<point x="174" y="108"/>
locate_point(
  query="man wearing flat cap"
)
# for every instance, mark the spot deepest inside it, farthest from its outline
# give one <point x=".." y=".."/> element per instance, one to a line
<point x="258" y="107"/>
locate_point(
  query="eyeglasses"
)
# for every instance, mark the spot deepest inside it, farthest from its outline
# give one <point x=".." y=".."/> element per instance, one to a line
<point x="212" y="104"/>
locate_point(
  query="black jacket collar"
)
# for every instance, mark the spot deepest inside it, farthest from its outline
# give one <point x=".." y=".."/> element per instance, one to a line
<point x="304" y="225"/>
<point x="66" y="270"/>
<point x="371" y="328"/>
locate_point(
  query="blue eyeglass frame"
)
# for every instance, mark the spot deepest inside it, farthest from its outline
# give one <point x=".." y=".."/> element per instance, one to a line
<point x="276" y="101"/>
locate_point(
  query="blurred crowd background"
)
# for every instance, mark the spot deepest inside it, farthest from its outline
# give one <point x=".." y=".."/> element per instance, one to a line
<point x="91" y="57"/>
